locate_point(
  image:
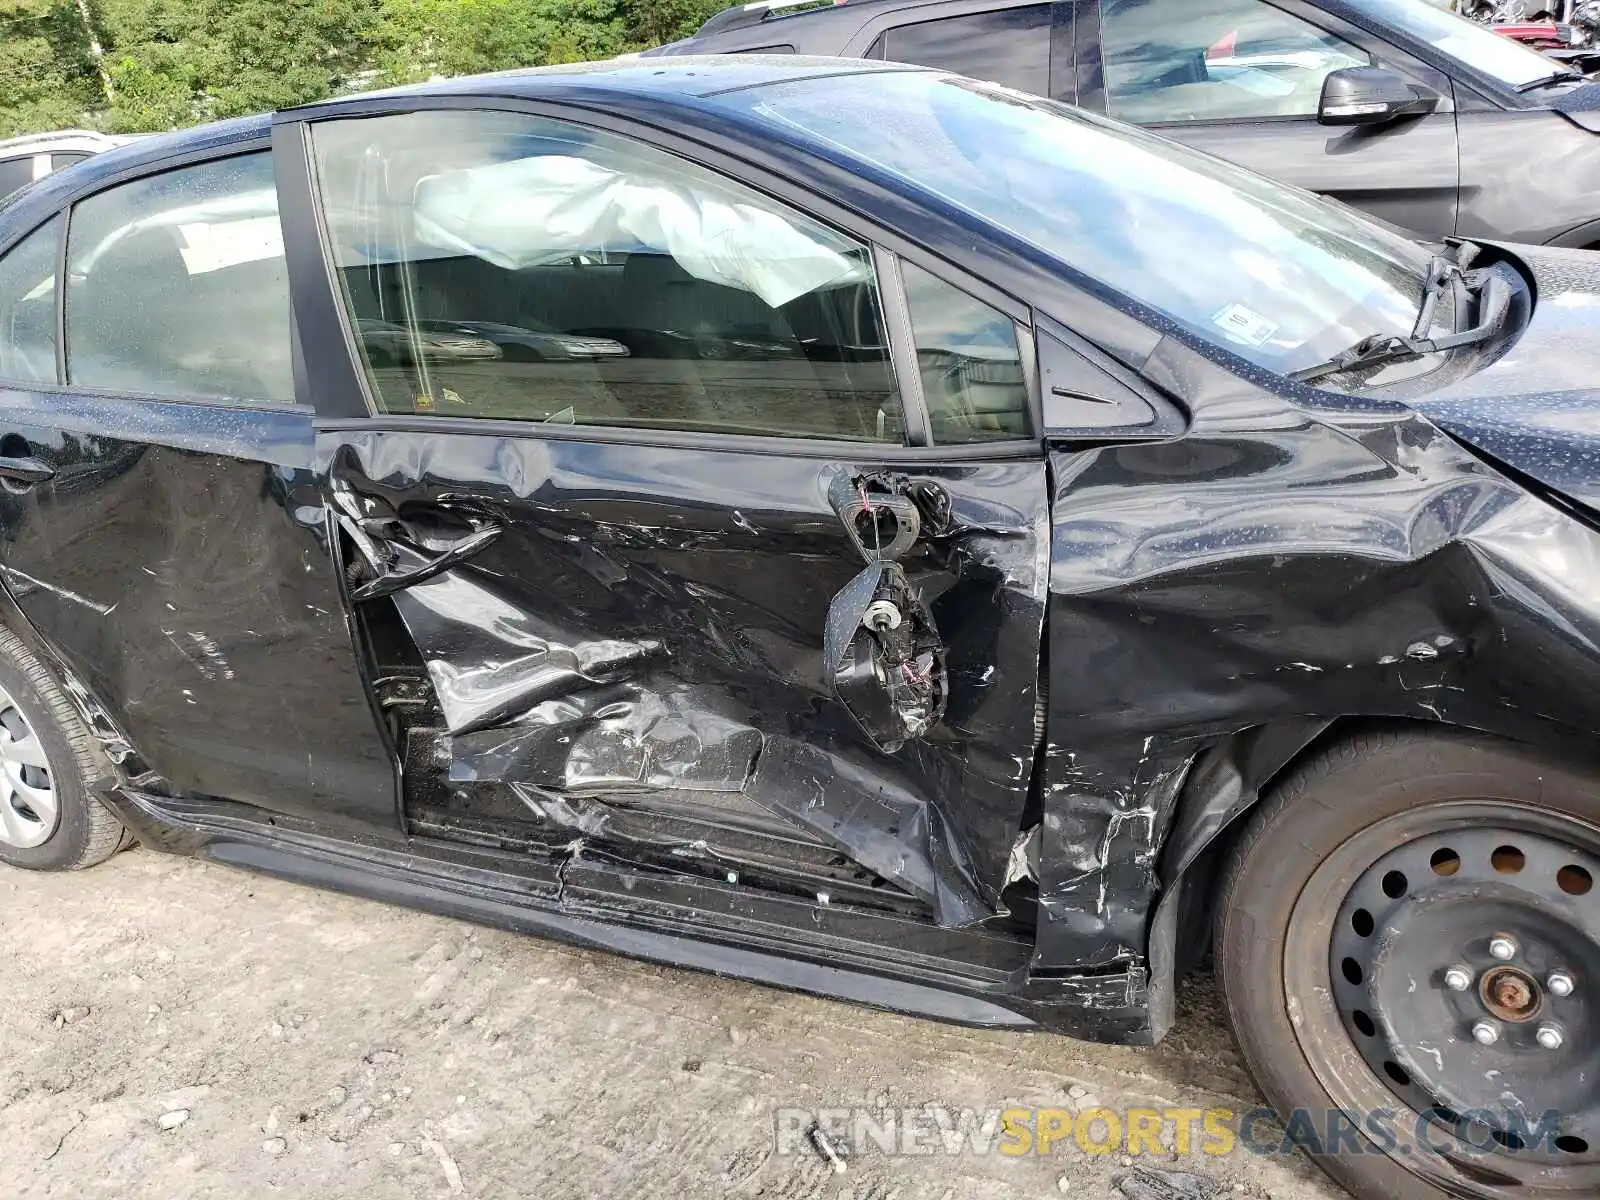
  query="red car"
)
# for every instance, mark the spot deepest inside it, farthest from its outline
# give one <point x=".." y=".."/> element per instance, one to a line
<point x="1541" y="35"/>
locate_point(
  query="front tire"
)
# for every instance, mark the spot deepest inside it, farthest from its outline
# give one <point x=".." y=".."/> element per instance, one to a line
<point x="50" y="819"/>
<point x="1387" y="932"/>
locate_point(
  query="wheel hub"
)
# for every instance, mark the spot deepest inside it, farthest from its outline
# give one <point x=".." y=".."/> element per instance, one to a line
<point x="29" y="812"/>
<point x="1511" y="994"/>
<point x="1466" y="970"/>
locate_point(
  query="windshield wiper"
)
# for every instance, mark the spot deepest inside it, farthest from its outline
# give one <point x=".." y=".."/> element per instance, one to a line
<point x="1494" y="298"/>
<point x="1442" y="272"/>
<point x="1546" y="80"/>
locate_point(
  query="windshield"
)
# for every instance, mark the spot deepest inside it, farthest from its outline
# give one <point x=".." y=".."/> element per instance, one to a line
<point x="1480" y="47"/>
<point x="1267" y="271"/>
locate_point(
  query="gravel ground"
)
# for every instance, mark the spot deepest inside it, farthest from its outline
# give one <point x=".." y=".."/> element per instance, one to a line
<point x="174" y="1029"/>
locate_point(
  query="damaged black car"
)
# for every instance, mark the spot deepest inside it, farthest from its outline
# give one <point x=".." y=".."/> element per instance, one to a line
<point x="976" y="560"/>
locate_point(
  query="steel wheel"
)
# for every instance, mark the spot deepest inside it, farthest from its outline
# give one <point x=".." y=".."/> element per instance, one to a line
<point x="1463" y="965"/>
<point x="29" y="809"/>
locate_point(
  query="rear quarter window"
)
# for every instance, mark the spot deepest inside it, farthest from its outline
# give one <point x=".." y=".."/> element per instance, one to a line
<point x="28" y="307"/>
<point x="177" y="285"/>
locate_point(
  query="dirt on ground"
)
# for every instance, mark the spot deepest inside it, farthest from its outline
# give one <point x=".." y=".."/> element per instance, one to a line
<point x="174" y="1029"/>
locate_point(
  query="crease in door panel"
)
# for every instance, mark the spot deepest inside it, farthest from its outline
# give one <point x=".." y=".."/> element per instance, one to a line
<point x="528" y="704"/>
<point x="624" y="679"/>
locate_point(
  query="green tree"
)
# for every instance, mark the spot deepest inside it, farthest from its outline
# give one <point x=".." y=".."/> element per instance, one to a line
<point x="174" y="63"/>
<point x="169" y="63"/>
<point x="423" y="38"/>
<point x="47" y="76"/>
<point x="654" y="22"/>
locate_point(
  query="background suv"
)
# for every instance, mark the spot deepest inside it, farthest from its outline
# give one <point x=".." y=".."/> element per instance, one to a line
<point x="1419" y="116"/>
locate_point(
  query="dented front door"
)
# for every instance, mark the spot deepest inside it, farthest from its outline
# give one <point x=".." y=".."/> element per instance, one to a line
<point x="657" y="496"/>
<point x="848" y="646"/>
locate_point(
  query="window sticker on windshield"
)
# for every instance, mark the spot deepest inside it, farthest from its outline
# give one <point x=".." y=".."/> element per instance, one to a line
<point x="1243" y="325"/>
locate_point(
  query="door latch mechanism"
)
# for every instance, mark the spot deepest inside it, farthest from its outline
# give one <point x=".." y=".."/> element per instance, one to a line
<point x="883" y="658"/>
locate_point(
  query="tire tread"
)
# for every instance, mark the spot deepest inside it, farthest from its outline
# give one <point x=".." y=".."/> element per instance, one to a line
<point x="105" y="834"/>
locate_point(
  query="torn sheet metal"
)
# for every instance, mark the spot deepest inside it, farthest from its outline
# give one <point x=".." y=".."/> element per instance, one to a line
<point x="625" y="745"/>
<point x="491" y="661"/>
<point x="1024" y="864"/>
<point x="606" y="740"/>
<point x="653" y="624"/>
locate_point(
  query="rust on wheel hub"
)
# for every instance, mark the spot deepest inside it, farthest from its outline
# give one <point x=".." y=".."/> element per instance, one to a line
<point x="1511" y="994"/>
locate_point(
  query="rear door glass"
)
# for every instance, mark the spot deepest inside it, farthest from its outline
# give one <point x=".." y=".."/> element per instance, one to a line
<point x="177" y="285"/>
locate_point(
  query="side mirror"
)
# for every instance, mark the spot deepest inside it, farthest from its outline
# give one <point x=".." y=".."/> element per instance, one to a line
<point x="1372" y="96"/>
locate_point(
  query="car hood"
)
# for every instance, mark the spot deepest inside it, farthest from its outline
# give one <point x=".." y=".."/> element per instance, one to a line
<point x="1537" y="408"/>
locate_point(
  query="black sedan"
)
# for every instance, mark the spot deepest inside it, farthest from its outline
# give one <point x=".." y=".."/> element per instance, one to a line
<point x="1129" y="559"/>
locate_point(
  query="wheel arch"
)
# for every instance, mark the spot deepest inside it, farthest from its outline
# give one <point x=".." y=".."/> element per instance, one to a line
<point x="116" y="750"/>
<point x="1226" y="782"/>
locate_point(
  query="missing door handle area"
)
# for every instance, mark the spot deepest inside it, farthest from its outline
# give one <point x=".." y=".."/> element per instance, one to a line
<point x="882" y="522"/>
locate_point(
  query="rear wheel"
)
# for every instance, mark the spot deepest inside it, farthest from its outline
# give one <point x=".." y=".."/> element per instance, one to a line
<point x="49" y="818"/>
<point x="1408" y="944"/>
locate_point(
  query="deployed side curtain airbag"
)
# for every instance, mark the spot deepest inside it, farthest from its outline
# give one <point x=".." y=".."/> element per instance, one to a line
<point x="534" y="211"/>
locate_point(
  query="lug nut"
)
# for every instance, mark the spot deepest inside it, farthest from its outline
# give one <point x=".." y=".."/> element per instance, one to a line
<point x="1457" y="979"/>
<point x="1560" y="983"/>
<point x="1502" y="947"/>
<point x="1485" y="1033"/>
<point x="1549" y="1036"/>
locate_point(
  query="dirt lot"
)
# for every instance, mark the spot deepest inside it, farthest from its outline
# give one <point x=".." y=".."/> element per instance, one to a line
<point x="306" y="1044"/>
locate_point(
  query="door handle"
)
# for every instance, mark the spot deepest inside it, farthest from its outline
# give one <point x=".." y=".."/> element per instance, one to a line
<point x="26" y="471"/>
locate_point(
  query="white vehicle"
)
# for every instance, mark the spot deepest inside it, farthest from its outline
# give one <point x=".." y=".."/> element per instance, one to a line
<point x="35" y="155"/>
